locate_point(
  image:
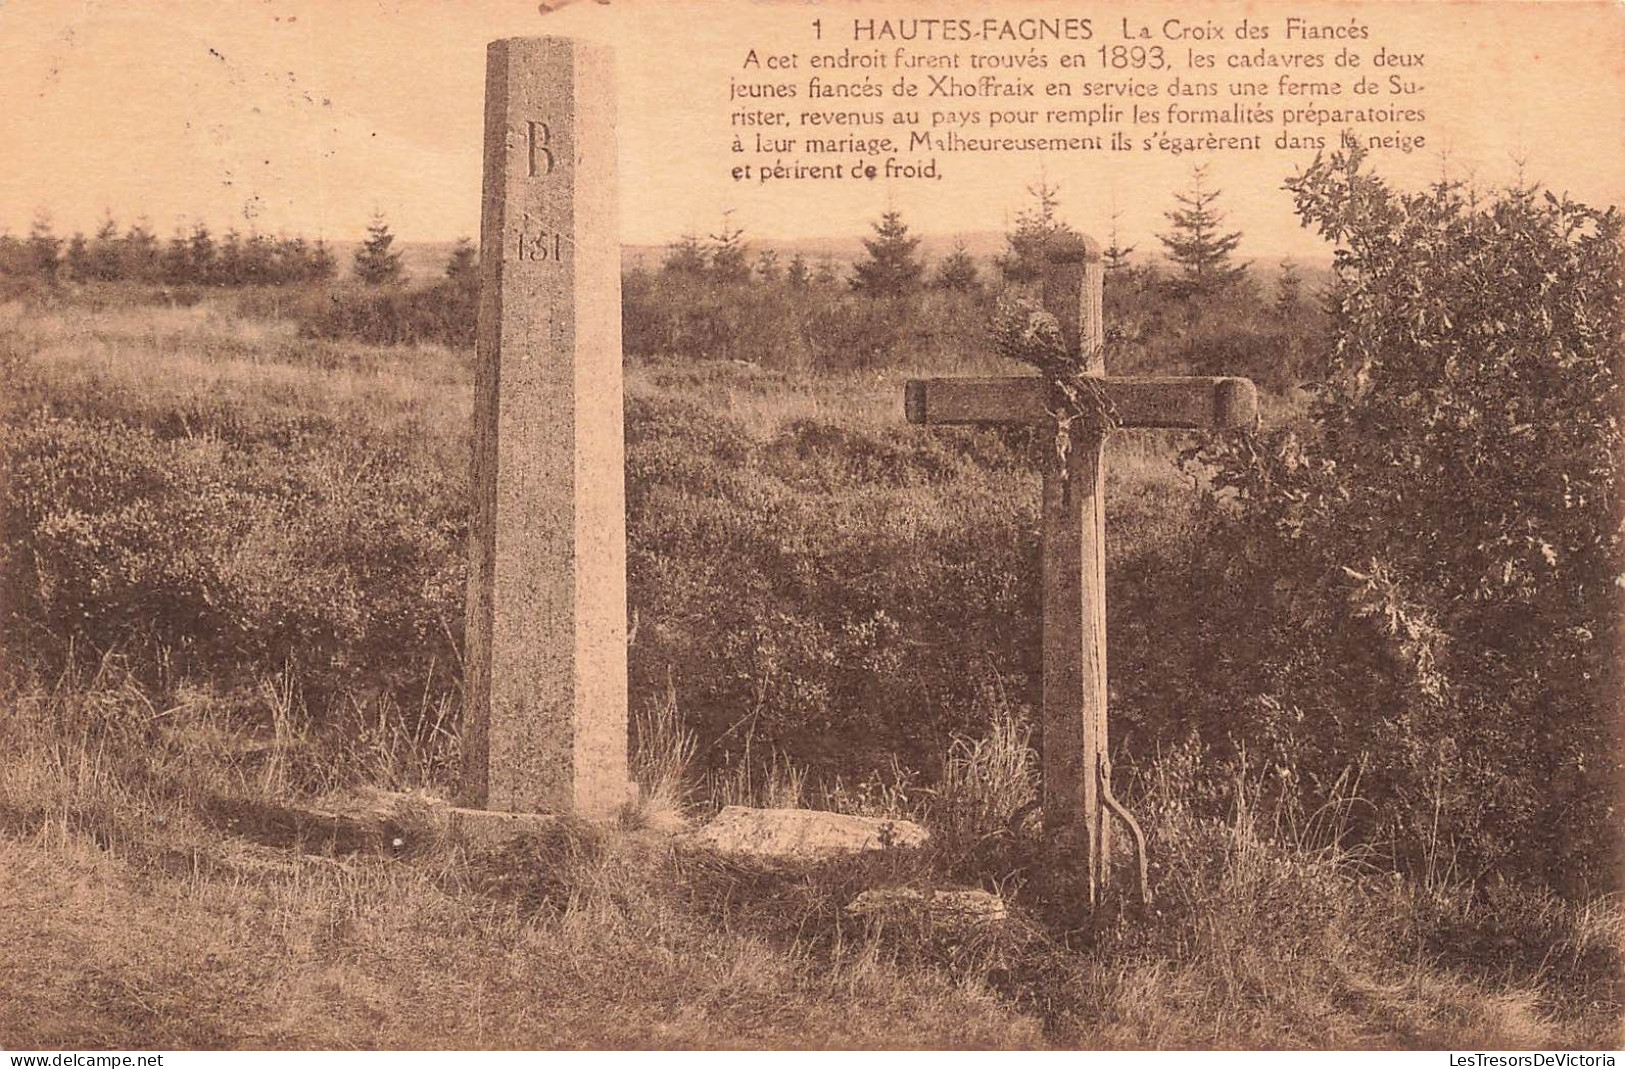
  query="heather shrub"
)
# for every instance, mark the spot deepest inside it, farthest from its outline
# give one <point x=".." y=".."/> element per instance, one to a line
<point x="812" y="328"/>
<point x="1274" y="354"/>
<point x="445" y="313"/>
<point x="703" y="318"/>
<point x="1233" y="331"/>
<point x="821" y="582"/>
<point x="828" y="592"/>
<point x="236" y="550"/>
<point x="851" y="333"/>
<point x="842" y="594"/>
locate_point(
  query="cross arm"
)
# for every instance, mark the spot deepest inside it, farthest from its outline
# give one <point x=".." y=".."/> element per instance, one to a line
<point x="1140" y="401"/>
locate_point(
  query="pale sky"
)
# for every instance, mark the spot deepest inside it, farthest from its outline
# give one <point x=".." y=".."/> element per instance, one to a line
<point x="305" y="115"/>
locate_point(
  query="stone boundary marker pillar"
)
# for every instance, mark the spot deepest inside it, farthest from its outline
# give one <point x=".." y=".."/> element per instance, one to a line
<point x="545" y="726"/>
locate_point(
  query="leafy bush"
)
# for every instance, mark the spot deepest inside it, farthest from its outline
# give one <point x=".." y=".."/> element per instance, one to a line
<point x="1426" y="579"/>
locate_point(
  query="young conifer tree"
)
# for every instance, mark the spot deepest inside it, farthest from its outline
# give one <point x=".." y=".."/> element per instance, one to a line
<point x="463" y="265"/>
<point x="729" y="252"/>
<point x="893" y="268"/>
<point x="376" y="263"/>
<point x="202" y="257"/>
<point x="958" y="271"/>
<point x="1036" y="227"/>
<point x="768" y="268"/>
<point x="799" y="273"/>
<point x="1197" y="245"/>
<point x="1116" y="255"/>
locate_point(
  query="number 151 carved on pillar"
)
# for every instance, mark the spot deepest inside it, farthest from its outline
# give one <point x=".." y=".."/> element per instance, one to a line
<point x="543" y="245"/>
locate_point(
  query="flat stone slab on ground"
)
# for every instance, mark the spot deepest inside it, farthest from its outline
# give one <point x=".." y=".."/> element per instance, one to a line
<point x="801" y="836"/>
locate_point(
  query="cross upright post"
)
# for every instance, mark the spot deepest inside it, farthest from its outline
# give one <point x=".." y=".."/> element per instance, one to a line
<point x="1074" y="572"/>
<point x="1077" y="770"/>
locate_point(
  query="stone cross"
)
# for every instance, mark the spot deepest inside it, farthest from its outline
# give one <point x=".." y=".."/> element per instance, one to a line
<point x="1077" y="771"/>
<point x="544" y="726"/>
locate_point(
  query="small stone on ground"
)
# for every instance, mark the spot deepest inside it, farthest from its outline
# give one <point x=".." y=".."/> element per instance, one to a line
<point x="801" y="836"/>
<point x="967" y="908"/>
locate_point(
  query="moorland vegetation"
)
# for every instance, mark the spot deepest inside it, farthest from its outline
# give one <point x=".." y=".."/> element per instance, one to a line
<point x="1364" y="657"/>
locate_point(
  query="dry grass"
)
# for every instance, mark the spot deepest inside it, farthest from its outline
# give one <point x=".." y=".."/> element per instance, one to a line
<point x="141" y="917"/>
<point x="134" y="921"/>
<point x="259" y="951"/>
<point x="169" y="358"/>
<point x="663" y="758"/>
